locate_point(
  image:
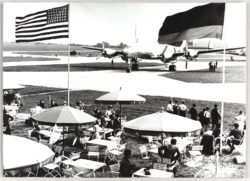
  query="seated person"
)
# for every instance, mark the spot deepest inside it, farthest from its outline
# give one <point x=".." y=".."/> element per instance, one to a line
<point x="208" y="143"/>
<point x="126" y="169"/>
<point x="96" y="128"/>
<point x="35" y="132"/>
<point x="170" y="151"/>
<point x="83" y="140"/>
<point x="235" y="137"/>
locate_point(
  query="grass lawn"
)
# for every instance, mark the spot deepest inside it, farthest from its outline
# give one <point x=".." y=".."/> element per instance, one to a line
<point x="74" y="67"/>
<point x="233" y="74"/>
<point x="25" y="59"/>
<point x="153" y="103"/>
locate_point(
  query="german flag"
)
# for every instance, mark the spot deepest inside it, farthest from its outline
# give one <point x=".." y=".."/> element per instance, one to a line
<point x="199" y="22"/>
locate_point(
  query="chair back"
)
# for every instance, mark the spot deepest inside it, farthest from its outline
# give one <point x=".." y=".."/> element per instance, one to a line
<point x="58" y="150"/>
<point x="115" y="168"/>
<point x="93" y="148"/>
<point x="67" y="172"/>
<point x="160" y="166"/>
<point x="143" y="151"/>
<point x="166" y="161"/>
<point x="197" y="148"/>
<point x="118" y="134"/>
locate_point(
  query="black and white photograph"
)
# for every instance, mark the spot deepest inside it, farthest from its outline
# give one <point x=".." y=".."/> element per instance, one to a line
<point x="124" y="89"/>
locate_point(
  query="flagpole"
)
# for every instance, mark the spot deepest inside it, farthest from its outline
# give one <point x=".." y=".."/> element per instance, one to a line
<point x="222" y="99"/>
<point x="68" y="56"/>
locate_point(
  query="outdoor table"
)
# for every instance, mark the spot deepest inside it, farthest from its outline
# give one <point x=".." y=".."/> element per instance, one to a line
<point x="153" y="173"/>
<point x="45" y="133"/>
<point x="86" y="166"/>
<point x="102" y="131"/>
<point x="109" y="144"/>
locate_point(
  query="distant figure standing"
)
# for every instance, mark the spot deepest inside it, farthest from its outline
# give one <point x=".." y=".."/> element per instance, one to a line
<point x="193" y="112"/>
<point x="241" y="120"/>
<point x="175" y="107"/>
<point x="215" y="116"/>
<point x="170" y="107"/>
<point x="53" y="103"/>
<point x="186" y="64"/>
<point x="207" y="117"/>
<point x="183" y="109"/>
<point x="202" y="119"/>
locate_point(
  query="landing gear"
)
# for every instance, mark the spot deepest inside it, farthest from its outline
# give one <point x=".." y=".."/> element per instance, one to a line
<point x="128" y="70"/>
<point x="135" y="66"/>
<point x="172" y="68"/>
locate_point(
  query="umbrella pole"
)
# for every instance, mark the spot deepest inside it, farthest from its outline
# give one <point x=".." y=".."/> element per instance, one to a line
<point x="63" y="141"/>
<point x="120" y="114"/>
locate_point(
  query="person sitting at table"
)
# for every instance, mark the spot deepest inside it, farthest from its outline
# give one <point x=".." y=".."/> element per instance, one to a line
<point x="83" y="140"/>
<point x="208" y="143"/>
<point x="235" y="137"/>
<point x="35" y="132"/>
<point x="126" y="169"/>
<point x="96" y="129"/>
<point x="6" y="122"/>
<point x="172" y="152"/>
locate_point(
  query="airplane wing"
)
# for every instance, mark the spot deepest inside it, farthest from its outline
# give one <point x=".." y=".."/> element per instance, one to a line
<point x="218" y="50"/>
<point x="178" y="54"/>
<point x="92" y="48"/>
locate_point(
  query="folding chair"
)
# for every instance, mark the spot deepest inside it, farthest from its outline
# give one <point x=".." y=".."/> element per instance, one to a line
<point x="93" y="151"/>
<point x="144" y="152"/>
<point x="115" y="169"/>
<point x="196" y="150"/>
<point x="69" y="172"/>
<point x="160" y="166"/>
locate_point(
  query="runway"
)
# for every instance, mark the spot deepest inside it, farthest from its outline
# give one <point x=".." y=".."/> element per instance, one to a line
<point x="142" y="82"/>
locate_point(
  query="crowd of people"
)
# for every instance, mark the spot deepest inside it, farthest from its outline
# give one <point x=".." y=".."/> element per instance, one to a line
<point x="210" y="120"/>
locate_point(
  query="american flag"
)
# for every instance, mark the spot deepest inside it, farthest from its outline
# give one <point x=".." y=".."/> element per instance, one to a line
<point x="43" y="25"/>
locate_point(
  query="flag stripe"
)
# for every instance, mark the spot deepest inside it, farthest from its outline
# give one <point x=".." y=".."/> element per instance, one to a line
<point x="193" y="33"/>
<point x="39" y="34"/>
<point x="27" y="20"/>
<point x="42" y="29"/>
<point x="32" y="14"/>
<point x="28" y="23"/>
<point x="43" y="25"/>
<point x="41" y="39"/>
<point x="42" y="36"/>
<point x="34" y="26"/>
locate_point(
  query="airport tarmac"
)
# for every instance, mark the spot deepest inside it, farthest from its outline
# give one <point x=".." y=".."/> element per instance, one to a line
<point x="142" y="82"/>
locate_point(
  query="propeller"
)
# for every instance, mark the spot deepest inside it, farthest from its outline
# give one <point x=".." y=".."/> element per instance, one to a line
<point x="104" y="52"/>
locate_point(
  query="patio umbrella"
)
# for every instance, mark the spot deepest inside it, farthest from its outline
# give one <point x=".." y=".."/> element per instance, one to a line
<point x="63" y="116"/>
<point x="121" y="96"/>
<point x="19" y="152"/>
<point x="162" y="122"/>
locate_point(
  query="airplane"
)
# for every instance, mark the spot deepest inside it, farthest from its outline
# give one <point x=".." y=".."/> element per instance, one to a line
<point x="165" y="53"/>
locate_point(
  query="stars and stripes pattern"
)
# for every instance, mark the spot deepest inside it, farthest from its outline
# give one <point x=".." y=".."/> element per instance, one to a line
<point x="43" y="25"/>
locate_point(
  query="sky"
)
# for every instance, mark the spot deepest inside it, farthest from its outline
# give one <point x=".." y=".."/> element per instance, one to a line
<point x="91" y="23"/>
